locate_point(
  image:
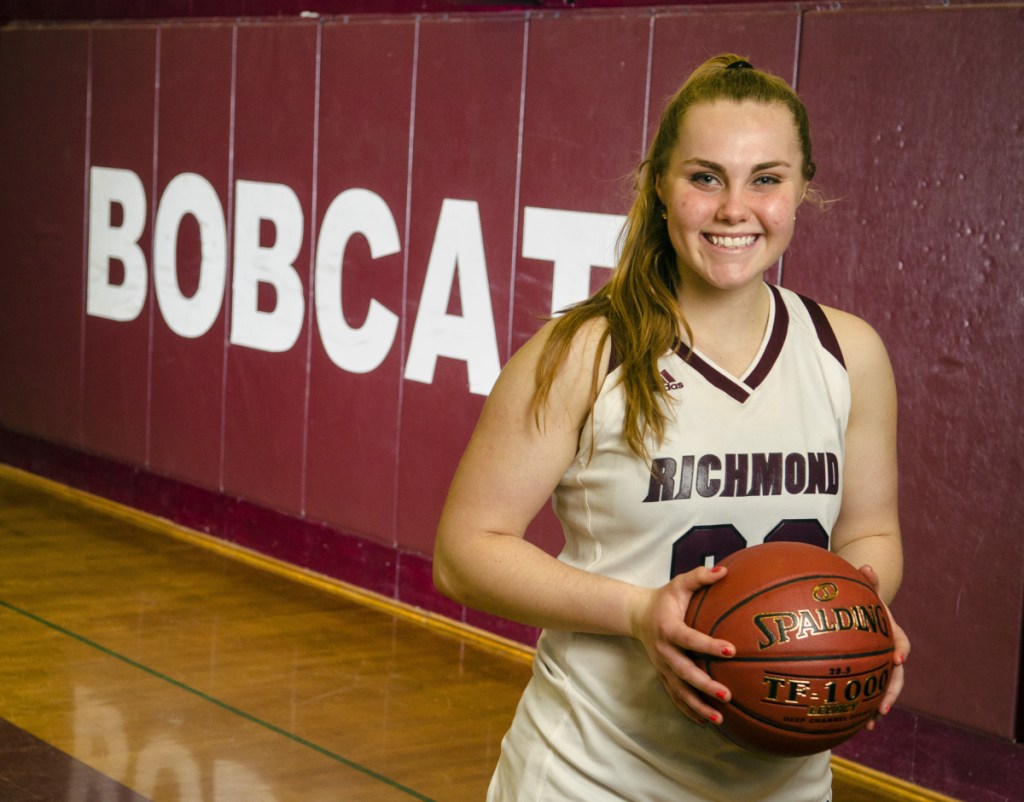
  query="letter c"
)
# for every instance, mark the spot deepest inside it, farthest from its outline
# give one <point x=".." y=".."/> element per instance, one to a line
<point x="354" y="211"/>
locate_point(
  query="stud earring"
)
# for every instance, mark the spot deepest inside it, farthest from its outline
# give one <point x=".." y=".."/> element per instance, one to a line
<point x="664" y="213"/>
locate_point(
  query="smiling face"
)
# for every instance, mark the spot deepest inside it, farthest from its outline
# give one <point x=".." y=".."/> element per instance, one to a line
<point x="731" y="190"/>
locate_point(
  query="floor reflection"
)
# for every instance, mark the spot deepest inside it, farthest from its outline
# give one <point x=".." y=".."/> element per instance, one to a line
<point x="135" y="665"/>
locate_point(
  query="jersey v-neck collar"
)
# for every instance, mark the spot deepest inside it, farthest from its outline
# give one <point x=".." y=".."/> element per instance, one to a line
<point x="741" y="388"/>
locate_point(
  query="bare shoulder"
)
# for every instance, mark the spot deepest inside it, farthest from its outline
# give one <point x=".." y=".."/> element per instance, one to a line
<point x="587" y="343"/>
<point x="585" y="340"/>
<point x="863" y="349"/>
<point x="572" y="377"/>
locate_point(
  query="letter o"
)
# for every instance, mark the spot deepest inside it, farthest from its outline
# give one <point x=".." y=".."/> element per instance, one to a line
<point x="795" y="473"/>
<point x="189" y="193"/>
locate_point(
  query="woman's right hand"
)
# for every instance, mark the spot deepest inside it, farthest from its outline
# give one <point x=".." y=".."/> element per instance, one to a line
<point x="658" y="624"/>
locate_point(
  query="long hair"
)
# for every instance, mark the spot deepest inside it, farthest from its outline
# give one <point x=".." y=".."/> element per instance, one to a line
<point x="640" y="301"/>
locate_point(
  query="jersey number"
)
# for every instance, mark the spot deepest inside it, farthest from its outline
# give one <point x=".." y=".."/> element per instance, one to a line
<point x="707" y="545"/>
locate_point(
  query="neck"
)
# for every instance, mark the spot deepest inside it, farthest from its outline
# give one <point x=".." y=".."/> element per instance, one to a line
<point x="711" y="310"/>
<point x="727" y="325"/>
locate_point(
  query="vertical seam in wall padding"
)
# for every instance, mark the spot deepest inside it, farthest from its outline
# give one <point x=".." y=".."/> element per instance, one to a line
<point x="796" y="87"/>
<point x="151" y="292"/>
<point x="647" y="87"/>
<point x="796" y="48"/>
<point x="405" y="292"/>
<point x="230" y="229"/>
<point x="85" y="236"/>
<point x="519" y="184"/>
<point x="310" y="301"/>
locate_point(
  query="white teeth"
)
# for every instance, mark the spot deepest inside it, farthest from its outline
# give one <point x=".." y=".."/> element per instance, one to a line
<point x="732" y="242"/>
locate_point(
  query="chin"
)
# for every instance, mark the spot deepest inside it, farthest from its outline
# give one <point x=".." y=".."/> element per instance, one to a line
<point x="731" y="279"/>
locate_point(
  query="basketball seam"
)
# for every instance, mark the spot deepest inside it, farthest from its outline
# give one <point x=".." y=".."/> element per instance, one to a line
<point x="792" y="581"/>
<point x="798" y="658"/>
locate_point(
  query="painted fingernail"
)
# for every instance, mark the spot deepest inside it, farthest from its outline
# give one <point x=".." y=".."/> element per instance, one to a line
<point x="716" y="569"/>
<point x="727" y="651"/>
<point x="714" y="718"/>
<point x="886" y="709"/>
<point x="898" y="659"/>
<point x="721" y="695"/>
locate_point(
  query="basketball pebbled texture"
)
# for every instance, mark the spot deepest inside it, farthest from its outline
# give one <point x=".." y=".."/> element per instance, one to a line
<point x="813" y="647"/>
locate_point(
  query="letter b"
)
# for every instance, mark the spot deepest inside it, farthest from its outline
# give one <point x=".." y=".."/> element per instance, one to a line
<point x="276" y="330"/>
<point x="108" y="187"/>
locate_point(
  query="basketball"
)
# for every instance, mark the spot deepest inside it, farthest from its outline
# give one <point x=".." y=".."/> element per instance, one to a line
<point x="813" y="647"/>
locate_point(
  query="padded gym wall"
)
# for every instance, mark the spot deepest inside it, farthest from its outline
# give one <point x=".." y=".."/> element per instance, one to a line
<point x="276" y="263"/>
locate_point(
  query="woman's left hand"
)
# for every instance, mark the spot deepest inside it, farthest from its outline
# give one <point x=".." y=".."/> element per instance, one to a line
<point x="899" y="655"/>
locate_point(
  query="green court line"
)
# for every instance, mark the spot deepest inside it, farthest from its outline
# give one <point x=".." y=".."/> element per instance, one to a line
<point x="221" y="704"/>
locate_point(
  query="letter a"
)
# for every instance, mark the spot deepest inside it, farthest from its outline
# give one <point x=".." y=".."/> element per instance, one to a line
<point x="458" y="248"/>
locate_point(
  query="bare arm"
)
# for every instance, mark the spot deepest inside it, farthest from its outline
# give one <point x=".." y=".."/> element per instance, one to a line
<point x="867" y="533"/>
<point x="868" y="529"/>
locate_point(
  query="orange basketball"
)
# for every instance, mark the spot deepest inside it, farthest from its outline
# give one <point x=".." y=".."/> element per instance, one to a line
<point x="813" y="647"/>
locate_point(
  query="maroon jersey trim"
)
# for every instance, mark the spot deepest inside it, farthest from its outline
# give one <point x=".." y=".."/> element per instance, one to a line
<point x="826" y="336"/>
<point x="740" y="390"/>
<point x="775" y="342"/>
<point x="614" y="359"/>
<point x="713" y="375"/>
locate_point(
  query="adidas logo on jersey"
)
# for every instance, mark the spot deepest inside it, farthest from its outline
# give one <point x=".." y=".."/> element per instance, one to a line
<point x="670" y="381"/>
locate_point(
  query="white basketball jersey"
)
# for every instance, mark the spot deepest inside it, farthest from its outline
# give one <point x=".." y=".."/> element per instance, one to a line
<point x="744" y="460"/>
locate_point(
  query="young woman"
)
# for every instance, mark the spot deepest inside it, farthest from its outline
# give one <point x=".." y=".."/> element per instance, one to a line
<point x="686" y="410"/>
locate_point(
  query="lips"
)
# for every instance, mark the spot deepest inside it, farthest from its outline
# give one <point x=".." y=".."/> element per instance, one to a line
<point x="731" y="242"/>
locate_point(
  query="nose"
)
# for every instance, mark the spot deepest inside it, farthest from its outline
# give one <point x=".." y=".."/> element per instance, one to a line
<point x="733" y="207"/>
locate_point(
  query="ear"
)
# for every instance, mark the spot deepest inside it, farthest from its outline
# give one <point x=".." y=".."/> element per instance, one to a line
<point x="657" y="189"/>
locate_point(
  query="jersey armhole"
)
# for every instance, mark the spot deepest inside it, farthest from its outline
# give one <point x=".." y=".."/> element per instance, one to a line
<point x="826" y="336"/>
<point x="614" y="360"/>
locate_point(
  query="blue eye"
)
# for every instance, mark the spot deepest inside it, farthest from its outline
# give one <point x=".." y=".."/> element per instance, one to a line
<point x="704" y="179"/>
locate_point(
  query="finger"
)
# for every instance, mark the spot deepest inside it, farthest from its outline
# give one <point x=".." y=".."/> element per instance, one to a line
<point x="691" y="676"/>
<point x="901" y="644"/>
<point x="890" y="697"/>
<point x="682" y="640"/>
<point x="699" y="577"/>
<point x="694" y="640"/>
<point x="871" y="576"/>
<point x="892" y="692"/>
<point x="693" y="705"/>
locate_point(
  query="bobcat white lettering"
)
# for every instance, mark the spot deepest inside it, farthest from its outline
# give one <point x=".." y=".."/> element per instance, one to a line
<point x="117" y="274"/>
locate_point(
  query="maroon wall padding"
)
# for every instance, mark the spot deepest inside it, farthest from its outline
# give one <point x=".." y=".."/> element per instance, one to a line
<point x="43" y="103"/>
<point x="923" y="150"/>
<point x="458" y="131"/>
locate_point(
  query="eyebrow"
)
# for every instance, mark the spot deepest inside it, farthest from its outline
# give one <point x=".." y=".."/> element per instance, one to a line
<point x="757" y="167"/>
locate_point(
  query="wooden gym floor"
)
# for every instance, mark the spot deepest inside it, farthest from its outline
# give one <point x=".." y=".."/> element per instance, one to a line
<point x="141" y="661"/>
